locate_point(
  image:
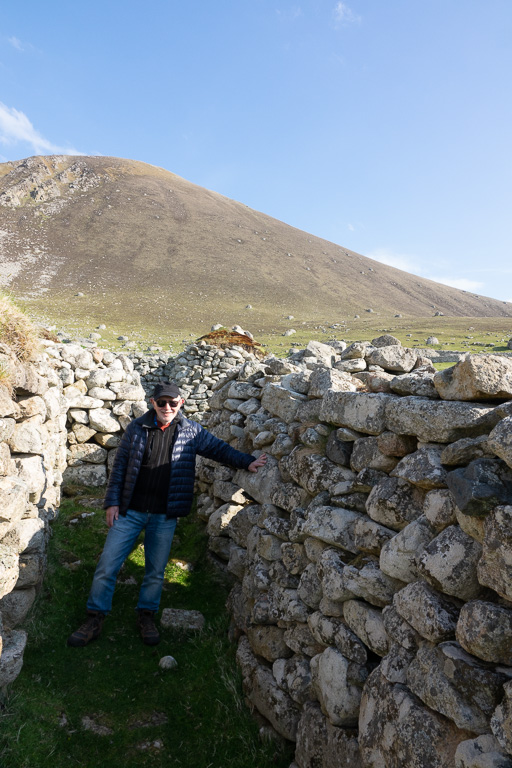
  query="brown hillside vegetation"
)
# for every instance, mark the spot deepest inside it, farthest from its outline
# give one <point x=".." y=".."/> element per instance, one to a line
<point x="145" y="246"/>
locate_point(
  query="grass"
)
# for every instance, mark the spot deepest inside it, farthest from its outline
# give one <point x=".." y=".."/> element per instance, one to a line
<point x="17" y="330"/>
<point x="192" y="717"/>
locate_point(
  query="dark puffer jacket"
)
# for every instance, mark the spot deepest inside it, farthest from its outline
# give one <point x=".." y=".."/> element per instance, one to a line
<point x="190" y="439"/>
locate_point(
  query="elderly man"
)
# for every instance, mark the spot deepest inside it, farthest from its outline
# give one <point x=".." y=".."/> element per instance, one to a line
<point x="151" y="485"/>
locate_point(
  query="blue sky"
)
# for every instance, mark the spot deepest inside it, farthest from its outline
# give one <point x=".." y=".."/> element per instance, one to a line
<point x="382" y="125"/>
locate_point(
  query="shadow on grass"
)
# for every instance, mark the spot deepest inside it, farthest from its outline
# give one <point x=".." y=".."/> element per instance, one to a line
<point x="110" y="703"/>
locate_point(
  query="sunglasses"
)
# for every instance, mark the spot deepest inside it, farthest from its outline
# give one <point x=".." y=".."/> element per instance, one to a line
<point x="172" y="403"/>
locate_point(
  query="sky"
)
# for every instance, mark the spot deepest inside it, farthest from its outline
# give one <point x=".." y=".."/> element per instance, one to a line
<point x="381" y="125"/>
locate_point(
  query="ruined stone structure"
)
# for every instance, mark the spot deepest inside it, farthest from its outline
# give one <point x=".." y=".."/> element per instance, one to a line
<point x="372" y="555"/>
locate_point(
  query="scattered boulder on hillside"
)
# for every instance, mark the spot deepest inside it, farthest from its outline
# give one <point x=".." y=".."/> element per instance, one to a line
<point x="432" y="340"/>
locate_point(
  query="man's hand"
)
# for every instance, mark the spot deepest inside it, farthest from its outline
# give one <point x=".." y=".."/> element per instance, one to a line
<point x="112" y="514"/>
<point x="259" y="462"/>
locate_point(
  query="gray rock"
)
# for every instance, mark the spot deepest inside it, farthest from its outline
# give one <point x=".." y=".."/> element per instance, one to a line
<point x="367" y="623"/>
<point x="11" y="659"/>
<point x="174" y="618"/>
<point x="482" y="752"/>
<point x="319" y="743"/>
<point x="500" y="440"/>
<point x="397" y="731"/>
<point x="323" y="379"/>
<point x="476" y="377"/>
<point x="494" y="567"/>
<point x="449" y="563"/>
<point x="484" y="630"/>
<point x="366" y="454"/>
<point x="268" y="642"/>
<point x="463" y="451"/>
<point x="422" y="468"/>
<point x="360" y="411"/>
<point x="501" y="721"/>
<point x="436" y="421"/>
<point x="481" y="486"/>
<point x="439" y="509"/>
<point x="455" y="684"/>
<point x="431" y="614"/>
<point x="393" y="358"/>
<point x="338" y="684"/>
<point x="399" y="555"/>
<point x="395" y="503"/>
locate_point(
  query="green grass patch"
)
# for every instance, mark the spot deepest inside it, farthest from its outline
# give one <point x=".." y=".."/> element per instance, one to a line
<point x="192" y="717"/>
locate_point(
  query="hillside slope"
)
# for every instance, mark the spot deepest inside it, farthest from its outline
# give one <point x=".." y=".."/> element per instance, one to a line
<point x="143" y="244"/>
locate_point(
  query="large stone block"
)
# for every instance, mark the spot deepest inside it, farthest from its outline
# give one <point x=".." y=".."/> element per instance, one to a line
<point x="395" y="502"/>
<point x="449" y="563"/>
<point x="260" y="484"/>
<point x="364" y="412"/>
<point x="281" y="402"/>
<point x="94" y="475"/>
<point x="333" y="525"/>
<point x="396" y="730"/>
<point x="15" y="606"/>
<point x="9" y="569"/>
<point x="399" y="555"/>
<point x="500" y="440"/>
<point x="437" y="421"/>
<point x="422" y="468"/>
<point x="367" y="623"/>
<point x="431" y="614"/>
<point x="481" y="486"/>
<point x="476" y="377"/>
<point x="393" y="358"/>
<point x="458" y="686"/>
<point x="11" y="658"/>
<point x="323" y="745"/>
<point x="13" y="501"/>
<point x="494" y="568"/>
<point x="338" y="683"/>
<point x="484" y="630"/>
<point x="312" y="471"/>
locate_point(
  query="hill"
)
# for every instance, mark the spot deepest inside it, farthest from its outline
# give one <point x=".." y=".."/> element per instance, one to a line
<point x="148" y="248"/>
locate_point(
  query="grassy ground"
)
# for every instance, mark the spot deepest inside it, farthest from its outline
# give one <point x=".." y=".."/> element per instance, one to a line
<point x="192" y="717"/>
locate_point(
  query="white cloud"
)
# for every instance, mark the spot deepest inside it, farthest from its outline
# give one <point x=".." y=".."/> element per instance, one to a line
<point x="15" y="128"/>
<point x="351" y="228"/>
<point x="344" y="15"/>
<point x="16" y="43"/>
<point x="459" y="282"/>
<point x="399" y="260"/>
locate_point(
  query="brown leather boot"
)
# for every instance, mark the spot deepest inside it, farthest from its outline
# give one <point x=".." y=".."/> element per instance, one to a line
<point x="90" y="630"/>
<point x="147" y="628"/>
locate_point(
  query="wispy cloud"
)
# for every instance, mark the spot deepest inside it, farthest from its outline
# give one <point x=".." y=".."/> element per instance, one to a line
<point x="351" y="228"/>
<point x="16" y="128"/>
<point x="459" y="282"/>
<point x="343" y="15"/>
<point x="399" y="260"/>
<point x="16" y="43"/>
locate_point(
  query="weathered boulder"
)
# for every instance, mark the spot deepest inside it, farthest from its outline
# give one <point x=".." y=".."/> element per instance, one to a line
<point x="9" y="569"/>
<point x="494" y="569"/>
<point x="322" y="744"/>
<point x="422" y="468"/>
<point x="281" y="402"/>
<point x="399" y="555"/>
<point x="463" y="451"/>
<point x="86" y="452"/>
<point x="439" y="508"/>
<point x="94" y="475"/>
<point x="393" y="358"/>
<point x="11" y="657"/>
<point x="436" y="421"/>
<point x="449" y="562"/>
<point x="397" y="730"/>
<point x="501" y="721"/>
<point x="431" y="614"/>
<point x="338" y="684"/>
<point x="367" y="454"/>
<point x="500" y="440"/>
<point x="15" y="606"/>
<point x="481" y="486"/>
<point x="450" y="681"/>
<point x="323" y="379"/>
<point x="268" y="642"/>
<point x="395" y="502"/>
<point x="364" y="412"/>
<point x="366" y="623"/>
<point x="333" y="525"/>
<point x="476" y="378"/>
<point x="13" y="500"/>
<point x="101" y="420"/>
<point x="312" y="471"/>
<point x="482" y="752"/>
<point x="484" y="630"/>
<point x="419" y="383"/>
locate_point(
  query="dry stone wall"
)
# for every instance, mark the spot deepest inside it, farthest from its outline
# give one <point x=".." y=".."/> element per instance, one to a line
<point x="63" y="427"/>
<point x="372" y="555"/>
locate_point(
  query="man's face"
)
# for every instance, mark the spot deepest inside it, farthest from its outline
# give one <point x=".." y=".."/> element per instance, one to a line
<point x="166" y="408"/>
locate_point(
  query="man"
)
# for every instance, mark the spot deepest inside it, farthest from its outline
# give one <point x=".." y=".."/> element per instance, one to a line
<point x="151" y="485"/>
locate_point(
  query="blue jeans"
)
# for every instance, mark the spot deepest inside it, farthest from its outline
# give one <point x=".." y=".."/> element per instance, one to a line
<point x="118" y="545"/>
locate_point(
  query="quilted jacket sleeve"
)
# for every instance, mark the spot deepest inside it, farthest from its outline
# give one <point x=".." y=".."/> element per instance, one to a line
<point x="213" y="448"/>
<point x="118" y="472"/>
